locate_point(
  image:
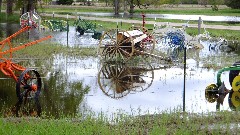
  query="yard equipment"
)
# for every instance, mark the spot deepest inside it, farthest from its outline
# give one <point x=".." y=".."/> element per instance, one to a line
<point x="218" y="88"/>
<point x="28" y="81"/>
<point x="116" y="44"/>
<point x="84" y="26"/>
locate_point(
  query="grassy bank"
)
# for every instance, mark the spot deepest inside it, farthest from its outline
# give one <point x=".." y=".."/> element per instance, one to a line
<point x="192" y="10"/>
<point x="45" y="50"/>
<point x="164" y="123"/>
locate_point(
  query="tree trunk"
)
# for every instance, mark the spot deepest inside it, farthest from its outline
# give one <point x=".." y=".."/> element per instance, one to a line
<point x="30" y="5"/>
<point x="116" y="7"/>
<point x="131" y="8"/>
<point x="9" y="7"/>
<point x="0" y="5"/>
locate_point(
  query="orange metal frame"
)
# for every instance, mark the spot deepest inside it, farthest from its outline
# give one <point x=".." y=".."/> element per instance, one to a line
<point x="7" y="66"/>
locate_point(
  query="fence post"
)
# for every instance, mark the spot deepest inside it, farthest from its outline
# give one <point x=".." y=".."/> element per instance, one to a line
<point x="199" y="25"/>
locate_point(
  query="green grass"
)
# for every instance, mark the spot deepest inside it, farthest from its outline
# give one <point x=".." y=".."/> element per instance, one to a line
<point x="14" y="18"/>
<point x="175" y="122"/>
<point x="160" y="10"/>
<point x="46" y="50"/>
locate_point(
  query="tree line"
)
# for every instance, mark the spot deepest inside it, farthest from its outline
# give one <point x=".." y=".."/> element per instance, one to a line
<point x="29" y="5"/>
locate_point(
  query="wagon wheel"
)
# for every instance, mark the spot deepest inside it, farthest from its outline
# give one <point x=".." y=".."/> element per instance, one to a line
<point x="29" y="85"/>
<point x="147" y="45"/>
<point x="116" y="45"/>
<point x="112" y="80"/>
<point x="117" y="80"/>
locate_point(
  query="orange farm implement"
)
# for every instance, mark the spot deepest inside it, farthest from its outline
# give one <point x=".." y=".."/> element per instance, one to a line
<point x="28" y="81"/>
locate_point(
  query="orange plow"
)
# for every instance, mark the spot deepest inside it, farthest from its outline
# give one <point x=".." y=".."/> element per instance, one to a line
<point x="28" y="82"/>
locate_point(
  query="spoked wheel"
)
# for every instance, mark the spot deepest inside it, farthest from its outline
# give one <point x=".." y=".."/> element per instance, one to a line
<point x="116" y="45"/>
<point x="29" y="85"/>
<point x="113" y="81"/>
<point x="117" y="80"/>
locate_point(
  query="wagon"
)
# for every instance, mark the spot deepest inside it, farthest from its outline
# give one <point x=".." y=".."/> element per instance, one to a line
<point x="116" y="44"/>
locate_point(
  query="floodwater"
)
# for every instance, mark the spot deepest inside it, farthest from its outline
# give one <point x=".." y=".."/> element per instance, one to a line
<point x="75" y="86"/>
<point x="172" y="16"/>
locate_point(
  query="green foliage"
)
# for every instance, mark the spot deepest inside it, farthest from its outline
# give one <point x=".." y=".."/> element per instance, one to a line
<point x="235" y="4"/>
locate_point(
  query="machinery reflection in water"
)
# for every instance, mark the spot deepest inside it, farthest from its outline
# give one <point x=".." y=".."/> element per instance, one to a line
<point x="218" y="97"/>
<point x="117" y="79"/>
<point x="217" y="92"/>
<point x="28" y="108"/>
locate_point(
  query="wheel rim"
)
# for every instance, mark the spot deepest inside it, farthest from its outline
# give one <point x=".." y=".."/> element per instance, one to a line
<point x="28" y="85"/>
<point x="236" y="83"/>
<point x="110" y="80"/>
<point x="211" y="93"/>
<point x="116" y="80"/>
<point x="235" y="99"/>
<point x="114" y="46"/>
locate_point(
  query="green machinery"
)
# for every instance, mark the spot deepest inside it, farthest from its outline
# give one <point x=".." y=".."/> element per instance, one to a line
<point x="84" y="26"/>
<point x="55" y="25"/>
<point x="218" y="91"/>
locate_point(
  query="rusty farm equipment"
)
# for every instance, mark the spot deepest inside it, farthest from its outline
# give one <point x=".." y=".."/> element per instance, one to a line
<point x="117" y="80"/>
<point x="116" y="44"/>
<point x="28" y="81"/>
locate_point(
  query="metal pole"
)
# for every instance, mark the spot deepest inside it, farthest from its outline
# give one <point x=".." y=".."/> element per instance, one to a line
<point x="184" y="83"/>
<point x="199" y="25"/>
<point x="67" y="30"/>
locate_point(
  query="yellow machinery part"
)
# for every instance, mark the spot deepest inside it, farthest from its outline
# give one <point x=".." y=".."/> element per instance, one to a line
<point x="236" y="83"/>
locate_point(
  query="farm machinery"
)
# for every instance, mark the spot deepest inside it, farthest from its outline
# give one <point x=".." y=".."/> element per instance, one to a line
<point x="28" y="81"/>
<point x="84" y="26"/>
<point x="127" y="60"/>
<point x="218" y="91"/>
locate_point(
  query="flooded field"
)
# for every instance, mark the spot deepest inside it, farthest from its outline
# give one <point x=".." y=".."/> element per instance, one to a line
<point x="80" y="85"/>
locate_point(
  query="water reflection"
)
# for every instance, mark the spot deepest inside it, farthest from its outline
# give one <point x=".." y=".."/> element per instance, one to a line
<point x="172" y="16"/>
<point x="116" y="80"/>
<point x="30" y="107"/>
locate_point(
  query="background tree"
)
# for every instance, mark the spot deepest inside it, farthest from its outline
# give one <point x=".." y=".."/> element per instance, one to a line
<point x="235" y="4"/>
<point x="0" y="5"/>
<point x="26" y="5"/>
<point x="215" y="4"/>
<point x="116" y="7"/>
<point x="9" y="7"/>
<point x="64" y="2"/>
